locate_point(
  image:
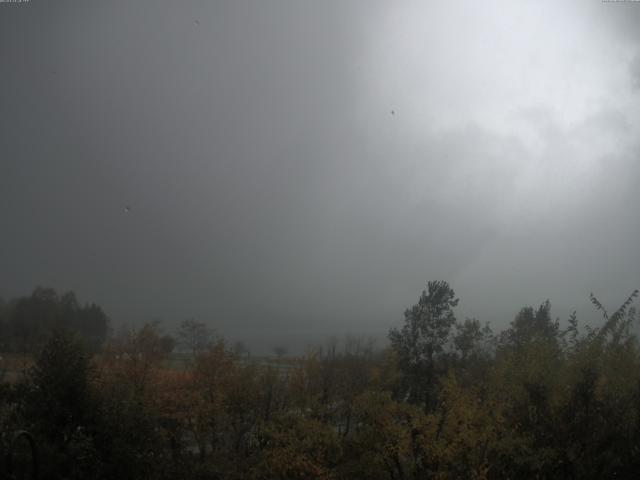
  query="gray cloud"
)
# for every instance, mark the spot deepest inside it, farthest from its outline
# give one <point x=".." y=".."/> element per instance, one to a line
<point x="272" y="190"/>
<point x="634" y="71"/>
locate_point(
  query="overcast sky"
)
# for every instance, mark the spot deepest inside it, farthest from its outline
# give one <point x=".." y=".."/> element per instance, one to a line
<point x="286" y="170"/>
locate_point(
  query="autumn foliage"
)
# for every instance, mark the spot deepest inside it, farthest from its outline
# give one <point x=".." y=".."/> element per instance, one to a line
<point x="447" y="399"/>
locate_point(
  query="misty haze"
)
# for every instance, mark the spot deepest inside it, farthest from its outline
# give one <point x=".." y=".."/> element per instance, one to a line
<point x="273" y="239"/>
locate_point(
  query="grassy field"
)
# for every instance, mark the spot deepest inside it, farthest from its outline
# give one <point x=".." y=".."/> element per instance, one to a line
<point x="14" y="366"/>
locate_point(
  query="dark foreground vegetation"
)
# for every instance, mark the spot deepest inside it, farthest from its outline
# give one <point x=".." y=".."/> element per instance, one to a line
<point x="448" y="399"/>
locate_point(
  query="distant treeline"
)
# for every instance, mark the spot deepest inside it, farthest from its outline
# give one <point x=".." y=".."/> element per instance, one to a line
<point x="448" y="399"/>
<point x="26" y="322"/>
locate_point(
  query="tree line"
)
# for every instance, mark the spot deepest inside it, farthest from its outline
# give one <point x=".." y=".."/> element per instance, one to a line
<point x="26" y="322"/>
<point x="446" y="399"/>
